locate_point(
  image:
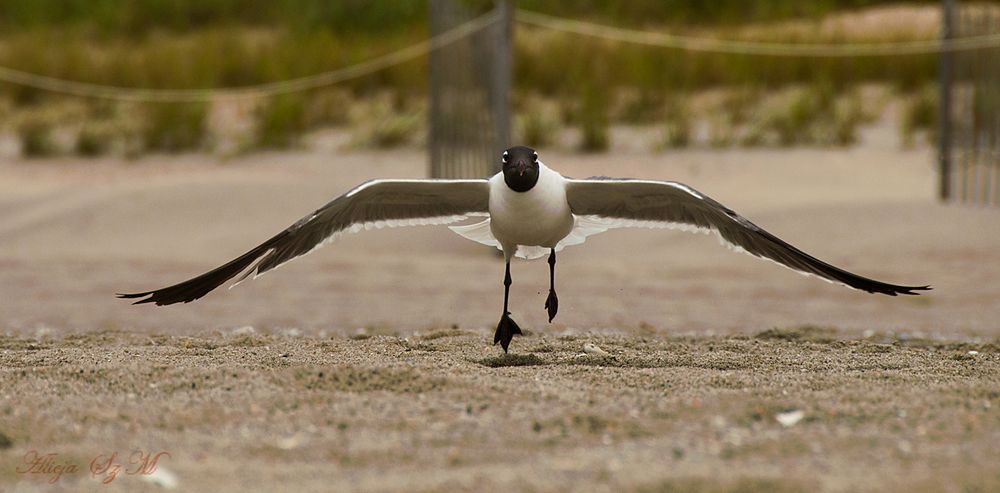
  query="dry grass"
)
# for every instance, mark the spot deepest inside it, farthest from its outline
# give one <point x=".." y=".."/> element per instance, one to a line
<point x="919" y="115"/>
<point x="596" y="84"/>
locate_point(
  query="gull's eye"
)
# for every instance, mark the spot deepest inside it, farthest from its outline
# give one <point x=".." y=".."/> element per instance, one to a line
<point x="504" y="158"/>
<point x="535" y="156"/>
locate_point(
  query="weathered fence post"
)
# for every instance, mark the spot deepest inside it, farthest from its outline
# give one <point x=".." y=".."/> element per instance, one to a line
<point x="470" y="80"/>
<point x="944" y="95"/>
<point x="502" y="76"/>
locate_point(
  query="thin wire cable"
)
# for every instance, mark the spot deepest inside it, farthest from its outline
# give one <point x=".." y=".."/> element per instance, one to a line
<point x="86" y="89"/>
<point x="737" y="47"/>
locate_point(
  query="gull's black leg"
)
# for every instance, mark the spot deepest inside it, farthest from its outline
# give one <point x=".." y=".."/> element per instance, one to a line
<point x="552" y="302"/>
<point x="506" y="328"/>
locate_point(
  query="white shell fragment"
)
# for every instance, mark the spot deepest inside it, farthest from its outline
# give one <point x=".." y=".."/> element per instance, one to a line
<point x="790" y="418"/>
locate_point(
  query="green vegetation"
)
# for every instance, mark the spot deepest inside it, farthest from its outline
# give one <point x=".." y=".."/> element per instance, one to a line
<point x="174" y="127"/>
<point x="281" y="122"/>
<point x="394" y="130"/>
<point x="579" y="82"/>
<point x="593" y="119"/>
<point x="385" y="122"/>
<point x="94" y="139"/>
<point x="36" y="138"/>
<point x="677" y="122"/>
<point x="363" y="17"/>
<point x="536" y="124"/>
<point x="920" y="113"/>
<point x="136" y="18"/>
<point x="798" y="115"/>
<point x="555" y="63"/>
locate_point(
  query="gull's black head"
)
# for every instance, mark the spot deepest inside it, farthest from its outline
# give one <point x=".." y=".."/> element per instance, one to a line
<point x="520" y="168"/>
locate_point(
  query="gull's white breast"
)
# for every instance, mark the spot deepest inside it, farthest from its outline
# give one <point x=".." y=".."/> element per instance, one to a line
<point x="539" y="217"/>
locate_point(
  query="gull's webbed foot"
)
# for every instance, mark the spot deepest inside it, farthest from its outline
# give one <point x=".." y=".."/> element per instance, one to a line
<point x="505" y="331"/>
<point x="552" y="304"/>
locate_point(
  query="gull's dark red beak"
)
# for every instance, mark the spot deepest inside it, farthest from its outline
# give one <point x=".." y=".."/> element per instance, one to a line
<point x="520" y="167"/>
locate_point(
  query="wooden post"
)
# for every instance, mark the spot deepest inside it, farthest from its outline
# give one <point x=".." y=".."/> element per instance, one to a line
<point x="502" y="75"/>
<point x="944" y="96"/>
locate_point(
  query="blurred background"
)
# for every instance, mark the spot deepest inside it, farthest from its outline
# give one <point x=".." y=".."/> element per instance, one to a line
<point x="144" y="141"/>
<point x="568" y="90"/>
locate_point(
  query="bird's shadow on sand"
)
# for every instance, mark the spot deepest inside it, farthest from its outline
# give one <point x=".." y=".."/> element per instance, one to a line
<point x="612" y="361"/>
<point x="531" y="359"/>
<point x="507" y="359"/>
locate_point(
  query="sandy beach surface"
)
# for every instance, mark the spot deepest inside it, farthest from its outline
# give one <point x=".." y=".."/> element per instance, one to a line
<point x="673" y="365"/>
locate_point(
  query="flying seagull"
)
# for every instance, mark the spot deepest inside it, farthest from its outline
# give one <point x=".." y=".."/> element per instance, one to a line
<point x="530" y="211"/>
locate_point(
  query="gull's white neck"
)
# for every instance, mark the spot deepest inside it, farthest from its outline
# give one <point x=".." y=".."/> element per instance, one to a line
<point x="537" y="217"/>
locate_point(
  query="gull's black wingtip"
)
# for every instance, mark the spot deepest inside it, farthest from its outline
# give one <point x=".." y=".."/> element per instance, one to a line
<point x="137" y="295"/>
<point x="894" y="290"/>
<point x="910" y="290"/>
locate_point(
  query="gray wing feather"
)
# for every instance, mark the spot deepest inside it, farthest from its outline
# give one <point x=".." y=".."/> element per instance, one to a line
<point x="645" y="203"/>
<point x="374" y="204"/>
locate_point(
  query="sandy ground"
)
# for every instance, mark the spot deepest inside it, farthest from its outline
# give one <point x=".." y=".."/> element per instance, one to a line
<point x="367" y="365"/>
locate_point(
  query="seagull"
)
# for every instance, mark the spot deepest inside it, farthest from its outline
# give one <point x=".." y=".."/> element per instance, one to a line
<point x="530" y="211"/>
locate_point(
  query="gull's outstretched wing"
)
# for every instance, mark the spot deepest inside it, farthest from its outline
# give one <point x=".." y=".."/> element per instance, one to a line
<point x="374" y="204"/>
<point x="662" y="204"/>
